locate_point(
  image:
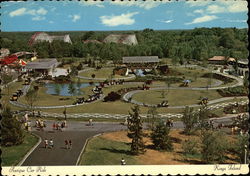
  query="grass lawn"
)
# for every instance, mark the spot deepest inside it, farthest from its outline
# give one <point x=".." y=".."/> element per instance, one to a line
<point x="111" y="153"/>
<point x="175" y="97"/>
<point x="199" y="82"/>
<point x="109" y="148"/>
<point x="45" y="99"/>
<point x="101" y="73"/>
<point x="11" y="156"/>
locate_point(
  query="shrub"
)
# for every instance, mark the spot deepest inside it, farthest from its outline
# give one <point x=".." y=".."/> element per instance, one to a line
<point x="190" y="146"/>
<point x="214" y="146"/>
<point x="112" y="96"/>
<point x="219" y="77"/>
<point x="233" y="91"/>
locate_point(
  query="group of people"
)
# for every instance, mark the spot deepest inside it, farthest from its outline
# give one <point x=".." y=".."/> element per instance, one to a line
<point x="59" y="126"/>
<point x="40" y="124"/>
<point x="169" y="122"/>
<point x="68" y="144"/>
<point x="48" y="143"/>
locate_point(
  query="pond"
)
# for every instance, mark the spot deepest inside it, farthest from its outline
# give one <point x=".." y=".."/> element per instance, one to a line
<point x="63" y="89"/>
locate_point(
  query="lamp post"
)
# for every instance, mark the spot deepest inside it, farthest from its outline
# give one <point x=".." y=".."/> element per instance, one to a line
<point x="245" y="157"/>
<point x="65" y="113"/>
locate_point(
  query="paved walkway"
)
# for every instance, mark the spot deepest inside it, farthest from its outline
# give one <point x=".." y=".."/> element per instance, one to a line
<point x="78" y="132"/>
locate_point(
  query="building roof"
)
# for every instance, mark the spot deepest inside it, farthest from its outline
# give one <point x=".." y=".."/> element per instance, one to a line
<point x="42" y="64"/>
<point x="128" y="39"/>
<point x="243" y="61"/>
<point x="42" y="36"/>
<point x="221" y="58"/>
<point x="140" y="59"/>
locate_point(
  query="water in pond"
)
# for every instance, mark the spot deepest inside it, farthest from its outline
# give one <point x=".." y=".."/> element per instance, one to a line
<point x="63" y="89"/>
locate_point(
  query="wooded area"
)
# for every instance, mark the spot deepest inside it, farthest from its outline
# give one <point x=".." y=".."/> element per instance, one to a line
<point x="180" y="45"/>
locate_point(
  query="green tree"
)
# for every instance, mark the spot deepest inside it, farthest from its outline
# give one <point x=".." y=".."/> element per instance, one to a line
<point x="31" y="98"/>
<point x="214" y="146"/>
<point x="71" y="89"/>
<point x="203" y="116"/>
<point x="135" y="131"/>
<point x="190" y="120"/>
<point x="6" y="79"/>
<point x="78" y="84"/>
<point x="160" y="137"/>
<point x="11" y="131"/>
<point x="246" y="83"/>
<point x="190" y="147"/>
<point x="57" y="89"/>
<point x="152" y="117"/>
<point x="241" y="147"/>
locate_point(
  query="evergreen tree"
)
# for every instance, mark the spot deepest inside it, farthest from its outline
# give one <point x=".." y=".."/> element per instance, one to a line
<point x="152" y="117"/>
<point x="31" y="98"/>
<point x="135" y="132"/>
<point x="71" y="89"/>
<point x="11" y="132"/>
<point x="203" y="116"/>
<point x="189" y="119"/>
<point x="57" y="89"/>
<point x="160" y="137"/>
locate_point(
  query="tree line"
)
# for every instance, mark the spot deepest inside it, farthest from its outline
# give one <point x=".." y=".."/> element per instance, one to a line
<point x="180" y="45"/>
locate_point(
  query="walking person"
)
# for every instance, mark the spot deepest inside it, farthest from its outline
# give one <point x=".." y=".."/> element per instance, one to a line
<point x="45" y="143"/>
<point x="54" y="126"/>
<point x="66" y="144"/>
<point x="70" y="144"/>
<point x="90" y="122"/>
<point x="123" y="162"/>
<point x="51" y="144"/>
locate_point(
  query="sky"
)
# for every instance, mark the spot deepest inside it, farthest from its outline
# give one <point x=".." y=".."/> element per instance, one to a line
<point x="110" y="15"/>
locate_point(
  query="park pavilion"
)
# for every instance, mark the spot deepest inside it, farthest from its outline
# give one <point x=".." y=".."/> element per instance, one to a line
<point x="142" y="62"/>
<point x="44" y="66"/>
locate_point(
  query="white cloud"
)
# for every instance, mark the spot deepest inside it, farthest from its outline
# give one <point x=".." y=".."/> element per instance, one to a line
<point x="236" y="21"/>
<point x="238" y="6"/>
<point x="166" y="21"/>
<point x="203" y="19"/>
<point x="38" y="18"/>
<point x="41" y="11"/>
<point x="51" y="22"/>
<point x="193" y="3"/>
<point x="25" y="11"/>
<point x="75" y="17"/>
<point x="123" y="19"/>
<point x="199" y="11"/>
<point x="92" y="3"/>
<point x="18" y="12"/>
<point x="148" y="4"/>
<point x="216" y="9"/>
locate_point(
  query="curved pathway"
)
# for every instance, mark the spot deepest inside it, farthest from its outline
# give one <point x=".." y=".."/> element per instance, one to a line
<point x="22" y="105"/>
<point x="78" y="133"/>
<point x="128" y="96"/>
<point x="102" y="79"/>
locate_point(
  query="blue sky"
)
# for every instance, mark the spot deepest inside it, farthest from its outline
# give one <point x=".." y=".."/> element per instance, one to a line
<point x="121" y="15"/>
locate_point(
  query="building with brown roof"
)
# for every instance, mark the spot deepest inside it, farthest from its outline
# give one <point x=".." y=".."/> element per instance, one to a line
<point x="220" y="60"/>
